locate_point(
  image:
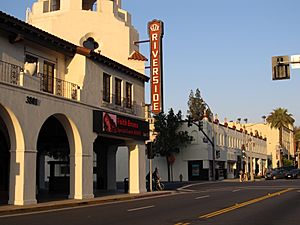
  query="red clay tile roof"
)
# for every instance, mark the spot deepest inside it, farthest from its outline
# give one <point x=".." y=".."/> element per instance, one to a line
<point x="135" y="55"/>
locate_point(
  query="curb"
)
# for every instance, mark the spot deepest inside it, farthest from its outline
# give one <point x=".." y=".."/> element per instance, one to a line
<point x="63" y="204"/>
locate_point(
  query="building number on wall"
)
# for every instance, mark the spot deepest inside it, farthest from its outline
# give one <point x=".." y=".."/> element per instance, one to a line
<point x="32" y="100"/>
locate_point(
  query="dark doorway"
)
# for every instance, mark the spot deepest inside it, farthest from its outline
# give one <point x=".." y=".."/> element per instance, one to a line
<point x="4" y="163"/>
<point x="53" y="162"/>
<point x="101" y="173"/>
<point x="196" y="171"/>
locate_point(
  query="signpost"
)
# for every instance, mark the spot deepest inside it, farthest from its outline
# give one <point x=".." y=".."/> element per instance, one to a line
<point x="295" y="61"/>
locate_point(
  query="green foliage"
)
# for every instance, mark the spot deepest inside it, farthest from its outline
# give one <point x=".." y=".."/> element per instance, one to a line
<point x="297" y="137"/>
<point x="297" y="133"/>
<point x="287" y="162"/>
<point x="169" y="139"/>
<point x="198" y="109"/>
<point x="280" y="118"/>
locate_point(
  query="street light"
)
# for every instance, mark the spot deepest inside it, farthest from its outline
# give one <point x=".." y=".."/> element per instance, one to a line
<point x="212" y="141"/>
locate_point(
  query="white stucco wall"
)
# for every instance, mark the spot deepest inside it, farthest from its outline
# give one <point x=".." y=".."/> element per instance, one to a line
<point x="114" y="35"/>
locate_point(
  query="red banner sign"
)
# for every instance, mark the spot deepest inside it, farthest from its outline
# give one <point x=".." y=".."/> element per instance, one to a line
<point x="156" y="32"/>
<point x="117" y="125"/>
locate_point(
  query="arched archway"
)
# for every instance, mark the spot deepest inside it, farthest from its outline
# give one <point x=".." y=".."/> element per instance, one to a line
<point x="53" y="161"/>
<point x="105" y="167"/>
<point x="59" y="148"/>
<point x="4" y="162"/>
<point x="12" y="139"/>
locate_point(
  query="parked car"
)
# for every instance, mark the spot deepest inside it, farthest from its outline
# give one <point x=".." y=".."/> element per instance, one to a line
<point x="275" y="174"/>
<point x="293" y="174"/>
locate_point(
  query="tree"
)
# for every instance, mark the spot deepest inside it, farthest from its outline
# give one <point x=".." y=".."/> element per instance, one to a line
<point x="297" y="141"/>
<point x="279" y="119"/>
<point x="169" y="139"/>
<point x="297" y="136"/>
<point x="198" y="109"/>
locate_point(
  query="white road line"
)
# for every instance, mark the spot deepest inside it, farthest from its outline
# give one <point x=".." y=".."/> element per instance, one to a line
<point x="236" y="190"/>
<point x="205" y="196"/>
<point x="141" y="208"/>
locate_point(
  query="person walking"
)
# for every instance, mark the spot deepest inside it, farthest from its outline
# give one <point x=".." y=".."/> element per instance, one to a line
<point x="241" y="176"/>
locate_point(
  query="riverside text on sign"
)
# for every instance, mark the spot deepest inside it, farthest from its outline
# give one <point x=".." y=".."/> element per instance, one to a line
<point x="155" y="29"/>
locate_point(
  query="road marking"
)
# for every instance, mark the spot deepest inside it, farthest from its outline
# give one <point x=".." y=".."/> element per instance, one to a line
<point x="205" y="196"/>
<point x="243" y="204"/>
<point x="236" y="190"/>
<point x="181" y="223"/>
<point x="141" y="208"/>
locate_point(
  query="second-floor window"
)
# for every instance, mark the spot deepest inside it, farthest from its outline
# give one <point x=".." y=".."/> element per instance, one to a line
<point x="48" y="77"/>
<point x="128" y="95"/>
<point x="106" y="87"/>
<point x="30" y="65"/>
<point x="118" y="91"/>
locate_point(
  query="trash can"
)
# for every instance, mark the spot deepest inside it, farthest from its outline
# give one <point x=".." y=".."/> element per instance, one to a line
<point x="126" y="185"/>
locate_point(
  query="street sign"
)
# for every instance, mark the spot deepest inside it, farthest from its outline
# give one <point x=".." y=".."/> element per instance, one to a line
<point x="280" y="67"/>
<point x="295" y="61"/>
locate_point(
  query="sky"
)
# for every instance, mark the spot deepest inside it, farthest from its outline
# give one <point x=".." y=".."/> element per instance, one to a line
<point x="223" y="48"/>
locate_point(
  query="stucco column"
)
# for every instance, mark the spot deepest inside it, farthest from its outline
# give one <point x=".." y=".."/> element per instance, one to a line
<point x="137" y="168"/>
<point x="41" y="178"/>
<point x="260" y="168"/>
<point x="111" y="168"/>
<point x="81" y="176"/>
<point x="22" y="185"/>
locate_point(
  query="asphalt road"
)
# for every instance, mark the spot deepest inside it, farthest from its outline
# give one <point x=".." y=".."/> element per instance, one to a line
<point x="252" y="203"/>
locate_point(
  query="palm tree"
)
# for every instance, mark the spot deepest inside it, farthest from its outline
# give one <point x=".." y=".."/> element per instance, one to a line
<point x="278" y="119"/>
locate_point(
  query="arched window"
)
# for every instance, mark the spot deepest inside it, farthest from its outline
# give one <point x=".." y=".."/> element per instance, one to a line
<point x="51" y="5"/>
<point x="89" y="5"/>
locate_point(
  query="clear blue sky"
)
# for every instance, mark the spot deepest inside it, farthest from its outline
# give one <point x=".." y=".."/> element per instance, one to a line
<point x="224" y="48"/>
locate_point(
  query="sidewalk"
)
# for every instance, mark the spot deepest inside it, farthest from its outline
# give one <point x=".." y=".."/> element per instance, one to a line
<point x="12" y="209"/>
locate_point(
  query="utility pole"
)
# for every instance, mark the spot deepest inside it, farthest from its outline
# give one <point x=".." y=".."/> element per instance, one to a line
<point x="211" y="141"/>
<point x="251" y="160"/>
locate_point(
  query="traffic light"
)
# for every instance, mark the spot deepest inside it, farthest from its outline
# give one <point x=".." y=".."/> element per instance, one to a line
<point x="150" y="150"/>
<point x="190" y="121"/>
<point x="243" y="151"/>
<point x="200" y="125"/>
<point x="280" y="67"/>
<point x="218" y="154"/>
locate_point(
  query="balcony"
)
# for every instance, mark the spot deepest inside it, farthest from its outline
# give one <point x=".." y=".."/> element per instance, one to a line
<point x="13" y="74"/>
<point x="9" y="73"/>
<point x="58" y="86"/>
<point x="121" y="104"/>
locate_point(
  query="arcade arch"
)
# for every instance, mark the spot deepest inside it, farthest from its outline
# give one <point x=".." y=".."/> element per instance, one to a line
<point x="4" y="162"/>
<point x="11" y="144"/>
<point x="58" y="143"/>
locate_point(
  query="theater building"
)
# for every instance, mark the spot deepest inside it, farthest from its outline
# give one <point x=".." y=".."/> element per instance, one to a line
<point x="69" y="100"/>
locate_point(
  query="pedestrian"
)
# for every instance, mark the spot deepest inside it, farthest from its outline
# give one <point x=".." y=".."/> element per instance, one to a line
<point x="180" y="177"/>
<point x="241" y="175"/>
<point x="155" y="175"/>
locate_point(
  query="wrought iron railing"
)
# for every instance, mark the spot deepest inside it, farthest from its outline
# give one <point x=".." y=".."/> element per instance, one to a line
<point x="120" y="104"/>
<point x="9" y="73"/>
<point x="58" y="86"/>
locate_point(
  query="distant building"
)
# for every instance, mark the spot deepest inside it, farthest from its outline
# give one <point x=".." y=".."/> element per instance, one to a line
<point x="273" y="146"/>
<point x="195" y="160"/>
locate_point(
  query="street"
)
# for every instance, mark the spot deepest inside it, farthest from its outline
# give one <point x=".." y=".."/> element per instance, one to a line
<point x="231" y="203"/>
